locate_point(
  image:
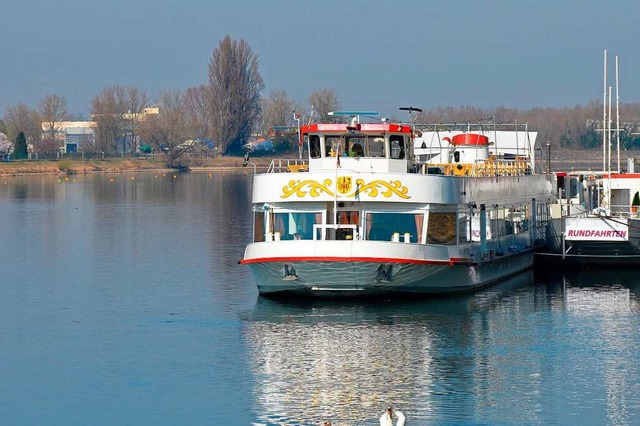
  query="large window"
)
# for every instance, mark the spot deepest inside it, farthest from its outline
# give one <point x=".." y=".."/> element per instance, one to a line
<point x="441" y="228"/>
<point x="294" y="225"/>
<point x="383" y="226"/>
<point x="375" y="147"/>
<point x="333" y="145"/>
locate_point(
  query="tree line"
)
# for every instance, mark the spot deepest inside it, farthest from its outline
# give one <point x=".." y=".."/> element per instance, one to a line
<point x="230" y="107"/>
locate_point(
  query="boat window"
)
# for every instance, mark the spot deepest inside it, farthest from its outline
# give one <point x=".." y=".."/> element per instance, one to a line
<point x="294" y="225"/>
<point x="473" y="228"/>
<point x="347" y="218"/>
<point x="463" y="227"/>
<point x="314" y="146"/>
<point x="441" y="228"/>
<point x="258" y="226"/>
<point x="375" y="147"/>
<point x="516" y="220"/>
<point x="356" y="146"/>
<point x="333" y="145"/>
<point x="383" y="226"/>
<point x="397" y="146"/>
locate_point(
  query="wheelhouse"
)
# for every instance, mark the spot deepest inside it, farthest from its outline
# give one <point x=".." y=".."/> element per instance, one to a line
<point x="383" y="147"/>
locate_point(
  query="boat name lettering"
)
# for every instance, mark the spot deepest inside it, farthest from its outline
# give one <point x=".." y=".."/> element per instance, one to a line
<point x="596" y="233"/>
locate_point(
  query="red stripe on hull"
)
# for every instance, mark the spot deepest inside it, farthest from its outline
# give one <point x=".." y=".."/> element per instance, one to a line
<point x="351" y="259"/>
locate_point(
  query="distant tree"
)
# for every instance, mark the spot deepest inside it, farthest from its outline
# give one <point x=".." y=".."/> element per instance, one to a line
<point x="322" y="102"/>
<point x="135" y="101"/>
<point x="117" y="111"/>
<point x="5" y="144"/>
<point x="170" y="129"/>
<point x="20" y="148"/>
<point x="107" y="109"/>
<point x="53" y="109"/>
<point x="235" y="85"/>
<point x="196" y="101"/>
<point x="22" y="118"/>
<point x="278" y="111"/>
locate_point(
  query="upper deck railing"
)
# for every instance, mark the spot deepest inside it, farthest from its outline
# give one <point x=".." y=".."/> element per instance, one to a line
<point x="281" y="165"/>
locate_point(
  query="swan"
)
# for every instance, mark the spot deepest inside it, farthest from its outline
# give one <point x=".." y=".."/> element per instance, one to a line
<point x="387" y="417"/>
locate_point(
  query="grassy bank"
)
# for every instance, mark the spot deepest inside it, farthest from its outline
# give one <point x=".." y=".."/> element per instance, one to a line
<point x="115" y="165"/>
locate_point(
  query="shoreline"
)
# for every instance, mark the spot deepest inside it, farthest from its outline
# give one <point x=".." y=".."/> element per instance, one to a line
<point x="561" y="160"/>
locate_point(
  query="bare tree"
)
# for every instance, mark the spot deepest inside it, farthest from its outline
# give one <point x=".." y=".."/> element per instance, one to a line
<point x="277" y="120"/>
<point x="135" y="101"/>
<point x="106" y="110"/>
<point x="322" y="102"/>
<point x="235" y="85"/>
<point x="53" y="109"/>
<point x="196" y="101"/>
<point x="277" y="110"/>
<point x="170" y="128"/>
<point x="117" y="111"/>
<point x="22" y="118"/>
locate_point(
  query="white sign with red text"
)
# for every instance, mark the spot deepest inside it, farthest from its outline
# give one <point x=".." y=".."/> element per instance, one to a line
<point x="596" y="229"/>
<point x="473" y="232"/>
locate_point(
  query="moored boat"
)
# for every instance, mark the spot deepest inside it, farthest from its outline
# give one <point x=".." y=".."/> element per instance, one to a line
<point x="595" y="221"/>
<point x="359" y="214"/>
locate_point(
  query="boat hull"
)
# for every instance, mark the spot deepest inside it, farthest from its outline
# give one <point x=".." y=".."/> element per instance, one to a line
<point x="590" y="252"/>
<point x="349" y="278"/>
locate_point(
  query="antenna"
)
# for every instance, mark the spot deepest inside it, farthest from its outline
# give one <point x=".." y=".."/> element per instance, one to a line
<point x="410" y="109"/>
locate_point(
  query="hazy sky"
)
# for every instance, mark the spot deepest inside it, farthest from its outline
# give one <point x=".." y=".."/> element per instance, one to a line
<point x="377" y="55"/>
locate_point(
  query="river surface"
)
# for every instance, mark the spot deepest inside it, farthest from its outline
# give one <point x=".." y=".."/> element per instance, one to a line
<point x="122" y="303"/>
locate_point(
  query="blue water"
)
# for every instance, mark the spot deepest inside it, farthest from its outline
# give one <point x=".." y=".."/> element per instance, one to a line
<point x="121" y="303"/>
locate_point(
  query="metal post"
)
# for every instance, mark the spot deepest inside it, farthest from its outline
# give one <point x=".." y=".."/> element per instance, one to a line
<point x="534" y="221"/>
<point x="483" y="230"/>
<point x="548" y="157"/>
<point x="296" y="117"/>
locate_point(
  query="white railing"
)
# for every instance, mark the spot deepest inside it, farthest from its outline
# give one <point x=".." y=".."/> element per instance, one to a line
<point x="323" y="228"/>
<point x="282" y="165"/>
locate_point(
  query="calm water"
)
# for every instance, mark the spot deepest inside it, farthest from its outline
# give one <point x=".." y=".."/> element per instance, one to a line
<point x="121" y="303"/>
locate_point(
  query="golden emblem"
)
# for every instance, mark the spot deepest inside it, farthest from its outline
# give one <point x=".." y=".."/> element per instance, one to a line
<point x="344" y="184"/>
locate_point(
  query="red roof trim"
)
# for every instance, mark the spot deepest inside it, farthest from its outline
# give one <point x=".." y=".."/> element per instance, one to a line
<point x="364" y="128"/>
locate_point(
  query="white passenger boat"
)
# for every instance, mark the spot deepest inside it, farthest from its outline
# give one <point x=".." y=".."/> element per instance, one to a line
<point x="361" y="214"/>
<point x="595" y="221"/>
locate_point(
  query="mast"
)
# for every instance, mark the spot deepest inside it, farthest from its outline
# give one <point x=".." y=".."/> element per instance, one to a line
<point x="617" y="116"/>
<point x="604" y="116"/>
<point x="609" y="150"/>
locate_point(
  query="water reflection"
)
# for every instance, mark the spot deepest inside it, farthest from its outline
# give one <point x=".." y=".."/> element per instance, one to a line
<point x="531" y="349"/>
<point x="347" y="361"/>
